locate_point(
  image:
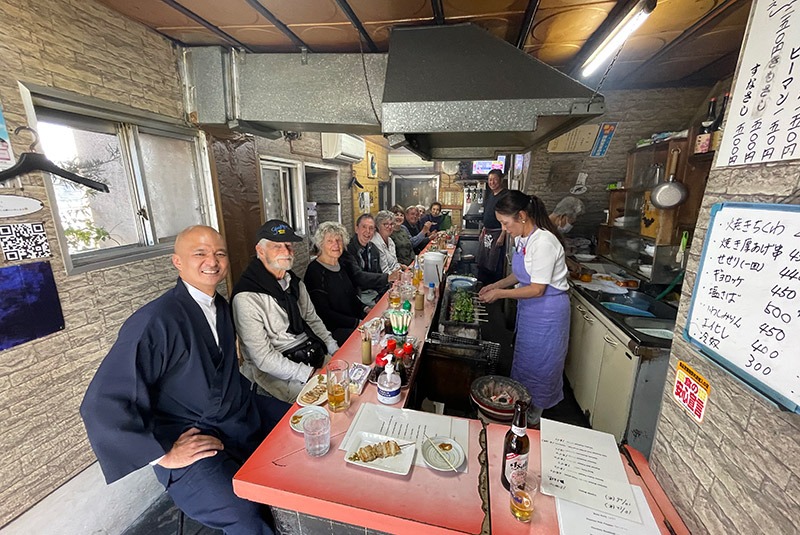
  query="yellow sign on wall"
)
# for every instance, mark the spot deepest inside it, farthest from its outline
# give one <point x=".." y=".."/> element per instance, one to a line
<point x="691" y="391"/>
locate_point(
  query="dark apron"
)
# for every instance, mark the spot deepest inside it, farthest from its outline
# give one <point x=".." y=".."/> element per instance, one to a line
<point x="489" y="252"/>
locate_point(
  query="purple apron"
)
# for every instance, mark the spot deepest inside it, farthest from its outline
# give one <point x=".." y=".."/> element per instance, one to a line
<point x="541" y="342"/>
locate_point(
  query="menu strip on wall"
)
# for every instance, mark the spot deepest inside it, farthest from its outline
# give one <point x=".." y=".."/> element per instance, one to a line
<point x="763" y="124"/>
<point x="745" y="310"/>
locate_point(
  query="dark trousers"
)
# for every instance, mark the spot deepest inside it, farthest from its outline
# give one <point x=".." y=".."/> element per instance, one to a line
<point x="204" y="491"/>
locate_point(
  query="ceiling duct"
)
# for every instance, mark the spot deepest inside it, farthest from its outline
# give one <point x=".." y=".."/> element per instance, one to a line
<point x="444" y="92"/>
<point x="458" y="92"/>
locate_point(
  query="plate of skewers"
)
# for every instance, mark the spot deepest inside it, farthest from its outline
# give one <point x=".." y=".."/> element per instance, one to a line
<point x="382" y="453"/>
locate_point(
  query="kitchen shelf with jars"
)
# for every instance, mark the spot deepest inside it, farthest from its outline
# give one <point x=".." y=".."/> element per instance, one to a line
<point x="652" y="218"/>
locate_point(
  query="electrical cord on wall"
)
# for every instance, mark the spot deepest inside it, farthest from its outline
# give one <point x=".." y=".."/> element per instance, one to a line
<point x="366" y="82"/>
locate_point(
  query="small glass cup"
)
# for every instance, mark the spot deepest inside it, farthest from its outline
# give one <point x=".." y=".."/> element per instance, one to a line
<point x="317" y="433"/>
<point x="524" y="486"/>
<point x="338" y="374"/>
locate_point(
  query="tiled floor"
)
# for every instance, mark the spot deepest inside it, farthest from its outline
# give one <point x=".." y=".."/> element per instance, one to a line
<point x="162" y="517"/>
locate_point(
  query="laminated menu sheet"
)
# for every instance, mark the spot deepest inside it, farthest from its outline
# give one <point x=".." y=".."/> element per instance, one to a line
<point x="574" y="518"/>
<point x="409" y="425"/>
<point x="584" y="466"/>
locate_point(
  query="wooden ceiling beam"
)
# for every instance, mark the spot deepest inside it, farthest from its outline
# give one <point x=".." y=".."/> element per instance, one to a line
<point x="706" y="22"/>
<point x="207" y="25"/>
<point x="354" y="20"/>
<point x="438" y="11"/>
<point x="278" y="23"/>
<point x="527" y="22"/>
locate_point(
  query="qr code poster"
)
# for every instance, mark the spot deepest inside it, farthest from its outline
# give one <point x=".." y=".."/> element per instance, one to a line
<point x="21" y="241"/>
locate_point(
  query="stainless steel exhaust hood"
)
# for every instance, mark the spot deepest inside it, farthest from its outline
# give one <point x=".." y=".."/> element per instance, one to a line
<point x="448" y="93"/>
<point x="458" y="92"/>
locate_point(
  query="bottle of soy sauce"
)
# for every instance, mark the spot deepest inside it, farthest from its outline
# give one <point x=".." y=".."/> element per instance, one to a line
<point x="516" y="445"/>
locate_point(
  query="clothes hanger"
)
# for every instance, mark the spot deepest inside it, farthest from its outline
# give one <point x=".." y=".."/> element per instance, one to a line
<point x="33" y="161"/>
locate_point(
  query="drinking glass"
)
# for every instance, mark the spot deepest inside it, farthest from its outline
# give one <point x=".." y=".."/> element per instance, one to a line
<point x="338" y="373"/>
<point x="317" y="433"/>
<point x="524" y="486"/>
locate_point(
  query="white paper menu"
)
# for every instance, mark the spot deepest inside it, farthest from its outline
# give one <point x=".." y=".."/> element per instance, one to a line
<point x="576" y="519"/>
<point x="584" y="466"/>
<point x="407" y="424"/>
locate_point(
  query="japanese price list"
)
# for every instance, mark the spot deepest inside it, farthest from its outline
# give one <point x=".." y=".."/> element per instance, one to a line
<point x="584" y="466"/>
<point x="746" y="302"/>
<point x="764" y="120"/>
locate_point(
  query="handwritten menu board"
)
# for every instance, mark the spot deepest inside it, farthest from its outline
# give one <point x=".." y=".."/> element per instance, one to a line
<point x="745" y="310"/>
<point x="763" y="124"/>
<point x="584" y="466"/>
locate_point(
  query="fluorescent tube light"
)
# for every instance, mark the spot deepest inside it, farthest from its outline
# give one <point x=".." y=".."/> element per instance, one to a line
<point x="617" y="37"/>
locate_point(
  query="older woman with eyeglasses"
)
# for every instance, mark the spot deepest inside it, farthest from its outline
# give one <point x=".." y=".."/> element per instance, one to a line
<point x="384" y="225"/>
<point x="332" y="291"/>
<point x="402" y="237"/>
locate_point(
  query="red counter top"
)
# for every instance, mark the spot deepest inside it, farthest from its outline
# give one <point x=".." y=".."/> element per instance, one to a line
<point x="545" y="518"/>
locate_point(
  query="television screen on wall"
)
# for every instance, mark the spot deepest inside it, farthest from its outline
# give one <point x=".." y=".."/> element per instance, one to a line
<point x="482" y="167"/>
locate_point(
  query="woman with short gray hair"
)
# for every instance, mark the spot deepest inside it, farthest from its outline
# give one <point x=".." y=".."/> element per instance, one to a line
<point x="384" y="225"/>
<point x="332" y="291"/>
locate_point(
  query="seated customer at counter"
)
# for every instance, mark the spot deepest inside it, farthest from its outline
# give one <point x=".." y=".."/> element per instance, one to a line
<point x="437" y="220"/>
<point x="540" y="275"/>
<point x="281" y="338"/>
<point x="363" y="263"/>
<point x="381" y="239"/>
<point x="402" y="237"/>
<point x="169" y="394"/>
<point x="333" y="293"/>
<point x="420" y="234"/>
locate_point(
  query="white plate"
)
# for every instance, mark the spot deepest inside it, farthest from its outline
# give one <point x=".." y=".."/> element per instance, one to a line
<point x="314" y="381"/>
<point x="585" y="257"/>
<point x="455" y="454"/>
<point x="601" y="286"/>
<point x="296" y="421"/>
<point x="398" y="464"/>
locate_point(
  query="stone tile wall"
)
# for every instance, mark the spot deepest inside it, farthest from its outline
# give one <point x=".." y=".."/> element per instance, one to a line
<point x="640" y="113"/>
<point x="80" y="46"/>
<point x="738" y="471"/>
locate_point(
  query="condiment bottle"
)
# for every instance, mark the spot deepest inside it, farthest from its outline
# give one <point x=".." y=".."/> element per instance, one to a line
<point x="516" y="445"/>
<point x="419" y="300"/>
<point x="366" y="351"/>
<point x="400" y="366"/>
<point x="389" y="384"/>
<point x="391" y="345"/>
<point x="430" y="294"/>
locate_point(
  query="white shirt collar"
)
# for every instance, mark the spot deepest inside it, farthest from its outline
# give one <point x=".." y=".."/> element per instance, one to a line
<point x="202" y="298"/>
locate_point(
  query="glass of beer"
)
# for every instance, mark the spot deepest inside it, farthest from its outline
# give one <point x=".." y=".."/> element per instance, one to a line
<point x="523" y="486"/>
<point x="338" y="373"/>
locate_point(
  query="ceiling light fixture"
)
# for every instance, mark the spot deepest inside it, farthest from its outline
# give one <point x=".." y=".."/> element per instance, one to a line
<point x="617" y="37"/>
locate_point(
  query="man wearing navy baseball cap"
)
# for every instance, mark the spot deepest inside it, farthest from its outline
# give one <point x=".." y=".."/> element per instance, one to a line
<point x="281" y="338"/>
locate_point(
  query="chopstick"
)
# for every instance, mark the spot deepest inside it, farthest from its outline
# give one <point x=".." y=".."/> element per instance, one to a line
<point x="442" y="455"/>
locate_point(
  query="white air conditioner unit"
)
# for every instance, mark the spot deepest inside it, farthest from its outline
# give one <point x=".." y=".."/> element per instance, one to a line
<point x="343" y="148"/>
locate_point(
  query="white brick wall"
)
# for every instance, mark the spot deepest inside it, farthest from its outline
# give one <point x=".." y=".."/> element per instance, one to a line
<point x="80" y="46"/>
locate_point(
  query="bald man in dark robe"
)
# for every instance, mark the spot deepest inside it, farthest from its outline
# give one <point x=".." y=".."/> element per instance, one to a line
<point x="169" y="394"/>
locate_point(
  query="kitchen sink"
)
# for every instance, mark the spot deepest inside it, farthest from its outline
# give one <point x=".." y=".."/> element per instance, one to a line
<point x="659" y="328"/>
<point x="634" y="304"/>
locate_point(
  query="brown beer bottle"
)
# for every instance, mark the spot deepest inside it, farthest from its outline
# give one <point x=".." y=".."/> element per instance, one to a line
<point x="516" y="445"/>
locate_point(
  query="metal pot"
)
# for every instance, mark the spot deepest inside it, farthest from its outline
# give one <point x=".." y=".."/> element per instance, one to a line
<point x="670" y="194"/>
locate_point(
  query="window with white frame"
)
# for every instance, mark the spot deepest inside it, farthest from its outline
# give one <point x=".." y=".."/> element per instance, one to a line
<point x="283" y="193"/>
<point x="154" y="175"/>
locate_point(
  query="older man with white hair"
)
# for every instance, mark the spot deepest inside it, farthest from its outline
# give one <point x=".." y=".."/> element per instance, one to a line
<point x="281" y="338"/>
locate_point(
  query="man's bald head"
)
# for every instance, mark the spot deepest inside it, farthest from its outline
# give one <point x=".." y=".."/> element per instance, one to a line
<point x="201" y="257"/>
